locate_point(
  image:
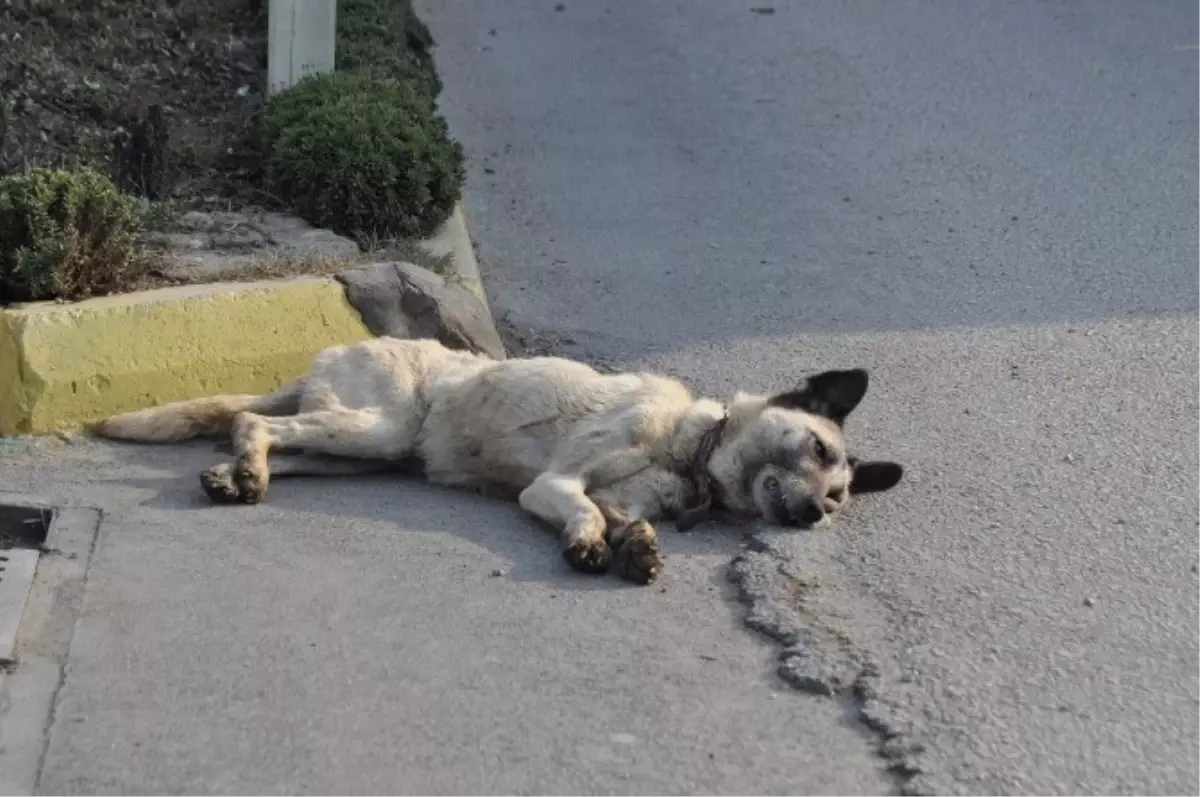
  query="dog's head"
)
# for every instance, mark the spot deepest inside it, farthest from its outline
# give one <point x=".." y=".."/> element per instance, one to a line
<point x="784" y="457"/>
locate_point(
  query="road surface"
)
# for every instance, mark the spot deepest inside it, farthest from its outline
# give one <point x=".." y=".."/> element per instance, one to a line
<point x="991" y="205"/>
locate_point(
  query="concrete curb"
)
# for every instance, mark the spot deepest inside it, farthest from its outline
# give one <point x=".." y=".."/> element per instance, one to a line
<point x="453" y="239"/>
<point x="65" y="365"/>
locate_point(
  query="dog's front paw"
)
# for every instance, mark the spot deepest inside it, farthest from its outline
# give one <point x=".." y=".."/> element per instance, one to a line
<point x="251" y="480"/>
<point x="218" y="484"/>
<point x="589" y="556"/>
<point x="638" y="558"/>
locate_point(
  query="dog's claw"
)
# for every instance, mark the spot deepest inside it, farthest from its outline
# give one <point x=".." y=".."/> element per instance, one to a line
<point x="589" y="556"/>
<point x="638" y="558"/>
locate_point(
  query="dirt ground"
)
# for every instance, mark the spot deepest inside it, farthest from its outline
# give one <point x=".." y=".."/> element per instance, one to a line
<point x="78" y="76"/>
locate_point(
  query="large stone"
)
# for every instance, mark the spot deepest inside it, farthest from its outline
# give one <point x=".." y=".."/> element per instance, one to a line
<point x="402" y="300"/>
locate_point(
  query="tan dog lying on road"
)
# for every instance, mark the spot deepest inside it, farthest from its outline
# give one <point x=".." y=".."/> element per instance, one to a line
<point x="598" y="456"/>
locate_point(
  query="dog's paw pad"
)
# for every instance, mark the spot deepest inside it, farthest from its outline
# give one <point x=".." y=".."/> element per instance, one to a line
<point x="639" y="558"/>
<point x="218" y="484"/>
<point x="589" y="556"/>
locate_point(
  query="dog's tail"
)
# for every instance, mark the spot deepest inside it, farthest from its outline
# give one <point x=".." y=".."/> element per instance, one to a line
<point x="181" y="420"/>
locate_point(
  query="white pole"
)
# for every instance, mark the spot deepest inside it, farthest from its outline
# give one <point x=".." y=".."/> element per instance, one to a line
<point x="300" y="40"/>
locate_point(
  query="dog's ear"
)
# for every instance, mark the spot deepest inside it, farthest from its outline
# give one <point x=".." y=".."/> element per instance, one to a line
<point x="874" y="477"/>
<point x="832" y="394"/>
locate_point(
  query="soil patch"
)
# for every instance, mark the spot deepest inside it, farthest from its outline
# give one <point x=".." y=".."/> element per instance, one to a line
<point x="82" y="80"/>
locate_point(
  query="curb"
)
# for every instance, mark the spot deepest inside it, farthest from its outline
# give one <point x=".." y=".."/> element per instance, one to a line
<point x="63" y="366"/>
<point x="454" y="239"/>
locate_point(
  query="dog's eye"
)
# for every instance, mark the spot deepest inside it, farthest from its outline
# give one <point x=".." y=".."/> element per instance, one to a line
<point x="820" y="449"/>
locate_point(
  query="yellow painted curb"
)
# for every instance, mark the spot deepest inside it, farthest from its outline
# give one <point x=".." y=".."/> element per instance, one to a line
<point x="65" y="365"/>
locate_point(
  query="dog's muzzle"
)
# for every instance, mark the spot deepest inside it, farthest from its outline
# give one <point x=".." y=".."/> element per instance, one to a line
<point x="804" y="514"/>
<point x="798" y="514"/>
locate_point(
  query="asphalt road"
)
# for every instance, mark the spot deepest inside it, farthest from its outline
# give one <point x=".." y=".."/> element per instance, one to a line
<point x="991" y="205"/>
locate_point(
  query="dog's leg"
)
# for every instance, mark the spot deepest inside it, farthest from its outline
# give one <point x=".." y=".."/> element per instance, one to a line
<point x="348" y="433"/>
<point x="561" y="501"/>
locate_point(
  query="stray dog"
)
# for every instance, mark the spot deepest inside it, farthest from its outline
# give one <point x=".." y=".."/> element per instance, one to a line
<point x="597" y="456"/>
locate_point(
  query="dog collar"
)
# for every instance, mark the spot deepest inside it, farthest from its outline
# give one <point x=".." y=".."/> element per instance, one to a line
<point x="706" y="488"/>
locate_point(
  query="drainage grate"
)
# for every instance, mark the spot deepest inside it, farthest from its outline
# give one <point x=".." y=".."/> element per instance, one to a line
<point x="23" y="531"/>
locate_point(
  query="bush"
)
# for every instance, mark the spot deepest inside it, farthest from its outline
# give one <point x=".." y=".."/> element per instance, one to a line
<point x="362" y="154"/>
<point x="387" y="38"/>
<point x="66" y="234"/>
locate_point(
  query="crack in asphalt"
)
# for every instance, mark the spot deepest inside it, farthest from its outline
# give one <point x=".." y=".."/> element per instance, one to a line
<point x="822" y="660"/>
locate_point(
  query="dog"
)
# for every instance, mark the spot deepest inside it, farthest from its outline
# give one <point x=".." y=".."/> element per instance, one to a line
<point x="599" y="457"/>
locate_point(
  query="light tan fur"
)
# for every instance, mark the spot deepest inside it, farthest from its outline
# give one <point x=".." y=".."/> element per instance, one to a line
<point x="597" y="456"/>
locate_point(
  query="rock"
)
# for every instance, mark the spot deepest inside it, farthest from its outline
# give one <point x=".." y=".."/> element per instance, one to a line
<point x="205" y="265"/>
<point x="221" y="244"/>
<point x="238" y="238"/>
<point x="296" y="237"/>
<point x="199" y="221"/>
<point x="179" y="241"/>
<point x="403" y="300"/>
<point x="281" y="225"/>
<point x="317" y="244"/>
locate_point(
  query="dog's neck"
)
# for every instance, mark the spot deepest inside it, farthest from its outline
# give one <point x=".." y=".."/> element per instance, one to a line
<point x="702" y="432"/>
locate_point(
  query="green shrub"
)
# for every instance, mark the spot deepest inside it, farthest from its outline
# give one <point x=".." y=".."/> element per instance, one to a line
<point x="362" y="154"/>
<point x="66" y="234"/>
<point x="386" y="37"/>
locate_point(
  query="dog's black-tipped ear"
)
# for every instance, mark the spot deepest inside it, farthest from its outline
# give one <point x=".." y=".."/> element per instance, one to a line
<point x="832" y="394"/>
<point x="874" y="477"/>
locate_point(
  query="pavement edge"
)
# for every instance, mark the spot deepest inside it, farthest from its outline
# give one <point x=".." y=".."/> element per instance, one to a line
<point x="454" y="239"/>
<point x="29" y="693"/>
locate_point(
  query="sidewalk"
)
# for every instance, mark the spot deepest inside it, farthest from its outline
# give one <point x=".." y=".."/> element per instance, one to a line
<point x="350" y="637"/>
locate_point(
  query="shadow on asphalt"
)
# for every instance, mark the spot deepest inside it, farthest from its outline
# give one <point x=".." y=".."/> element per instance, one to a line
<point x="406" y="504"/>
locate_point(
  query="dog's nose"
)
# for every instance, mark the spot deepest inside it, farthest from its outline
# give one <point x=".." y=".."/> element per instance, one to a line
<point x="806" y="513"/>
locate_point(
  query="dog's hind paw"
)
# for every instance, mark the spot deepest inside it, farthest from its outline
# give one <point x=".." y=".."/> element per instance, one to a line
<point x="638" y="558"/>
<point x="589" y="556"/>
<point x="238" y="483"/>
<point x="218" y="484"/>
